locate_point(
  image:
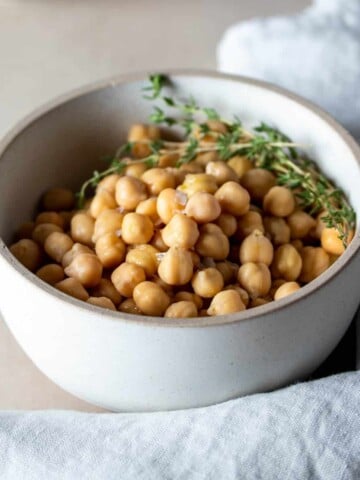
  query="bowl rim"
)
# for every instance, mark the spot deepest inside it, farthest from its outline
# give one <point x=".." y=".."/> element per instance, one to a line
<point x="199" y="322"/>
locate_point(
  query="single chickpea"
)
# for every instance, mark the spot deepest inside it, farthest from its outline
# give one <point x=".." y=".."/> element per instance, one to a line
<point x="86" y="268"/>
<point x="198" y="182"/>
<point x="50" y="217"/>
<point x="76" y="249"/>
<point x="221" y="171"/>
<point x="256" y="248"/>
<point x="195" y="258"/>
<point x="331" y="242"/>
<point x="226" y="302"/>
<point x="258" y="182"/>
<point x="212" y="242"/>
<point x="109" y="221"/>
<point x="51" y="273"/>
<point x="82" y="228"/>
<point x="182" y="309"/>
<point x="102" y="201"/>
<point x="42" y="231"/>
<point x="108" y="184"/>
<point x="241" y="291"/>
<point x="208" y="282"/>
<point x="286" y="289"/>
<point x="227" y="223"/>
<point x="168" y="160"/>
<point x="169" y="202"/>
<point x="203" y="207"/>
<point x="125" y="278"/>
<point x="129" y="192"/>
<point x="158" y="242"/>
<point x="151" y="298"/>
<point x="215" y="127"/>
<point x="57" y="244"/>
<point x="228" y="271"/>
<point x="176" y="268"/>
<point x="181" y="231"/>
<point x="25" y="231"/>
<point x="136" y="228"/>
<point x="141" y="133"/>
<point x="57" y="199"/>
<point x="277" y="229"/>
<point x="72" y="287"/>
<point x="27" y="252"/>
<point x="287" y="263"/>
<point x="298" y="244"/>
<point x="279" y="201"/>
<point x="189" y="297"/>
<point x="102" y="302"/>
<point x="148" y="207"/>
<point x="248" y="223"/>
<point x="255" y="278"/>
<point x="233" y="198"/>
<point x="314" y="262"/>
<point x="191" y="167"/>
<point x="157" y="179"/>
<point x="206" y="157"/>
<point x="135" y="170"/>
<point x="105" y="288"/>
<point x="145" y="257"/>
<point x="300" y="224"/>
<point x="240" y="164"/>
<point x="258" y="302"/>
<point x="129" y="306"/>
<point x="110" y="249"/>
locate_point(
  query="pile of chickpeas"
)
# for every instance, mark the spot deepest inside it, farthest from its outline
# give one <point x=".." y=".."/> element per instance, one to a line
<point x="207" y="238"/>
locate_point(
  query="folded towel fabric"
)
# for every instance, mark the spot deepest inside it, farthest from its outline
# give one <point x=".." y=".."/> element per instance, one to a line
<point x="315" y="53"/>
<point x="306" y="431"/>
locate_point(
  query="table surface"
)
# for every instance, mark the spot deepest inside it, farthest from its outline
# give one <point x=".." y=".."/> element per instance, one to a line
<point x="49" y="47"/>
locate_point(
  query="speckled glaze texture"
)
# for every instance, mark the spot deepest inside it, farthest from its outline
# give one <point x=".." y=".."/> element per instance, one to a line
<point x="134" y="363"/>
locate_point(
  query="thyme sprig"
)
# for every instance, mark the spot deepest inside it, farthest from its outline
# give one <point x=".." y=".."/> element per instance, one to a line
<point x="266" y="147"/>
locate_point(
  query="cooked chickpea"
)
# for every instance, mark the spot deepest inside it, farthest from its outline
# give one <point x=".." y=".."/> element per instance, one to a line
<point x="241" y="291"/>
<point x="182" y="309"/>
<point x="129" y="192"/>
<point x="258" y="302"/>
<point x="102" y="201"/>
<point x="57" y="244"/>
<point x="181" y="231"/>
<point x="86" y="268"/>
<point x="151" y="298"/>
<point x="195" y="258"/>
<point x="208" y="282"/>
<point x="228" y="270"/>
<point x="331" y="242"/>
<point x="82" y="228"/>
<point x="169" y="202"/>
<point x="25" y="231"/>
<point x="287" y="263"/>
<point x="105" y="288"/>
<point x="248" y="223"/>
<point x="157" y="179"/>
<point x="129" y="306"/>
<point x="102" y="302"/>
<point x="205" y="157"/>
<point x="108" y="184"/>
<point x="27" y="252"/>
<point x="277" y="229"/>
<point x="136" y="228"/>
<point x="76" y="249"/>
<point x="168" y="160"/>
<point x="258" y="182"/>
<point x="189" y="297"/>
<point x="191" y="167"/>
<point x="109" y="221"/>
<point x="300" y="224"/>
<point x="212" y="242"/>
<point x="314" y="262"/>
<point x="240" y="165"/>
<point x="72" y="287"/>
<point x="279" y="201"/>
<point x="51" y="273"/>
<point x="110" y="249"/>
<point x="140" y="133"/>
<point x="203" y="207"/>
<point x="158" y="242"/>
<point x="135" y="170"/>
<point x="256" y="248"/>
<point x="50" y="217"/>
<point x="225" y="302"/>
<point x="126" y="276"/>
<point x="221" y="171"/>
<point x="145" y="257"/>
<point x="227" y="223"/>
<point x="255" y="278"/>
<point x="198" y="182"/>
<point x="298" y="244"/>
<point x="57" y="199"/>
<point x="286" y="289"/>
<point x="176" y="268"/>
<point x="42" y="231"/>
<point x="148" y="207"/>
<point x="233" y="198"/>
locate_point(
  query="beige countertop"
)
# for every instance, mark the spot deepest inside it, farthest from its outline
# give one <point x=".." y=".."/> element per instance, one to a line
<point x="49" y="47"/>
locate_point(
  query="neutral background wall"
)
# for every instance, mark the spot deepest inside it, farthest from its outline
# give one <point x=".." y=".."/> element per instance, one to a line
<point x="48" y="47"/>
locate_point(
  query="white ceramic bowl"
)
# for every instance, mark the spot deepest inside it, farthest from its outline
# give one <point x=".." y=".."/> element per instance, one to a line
<point x="134" y="363"/>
